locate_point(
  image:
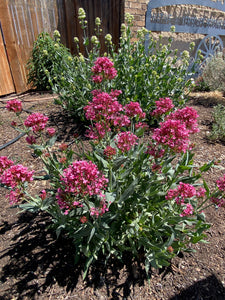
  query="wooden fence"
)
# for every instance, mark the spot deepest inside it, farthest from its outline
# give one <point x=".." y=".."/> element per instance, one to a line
<point x="22" y="20"/>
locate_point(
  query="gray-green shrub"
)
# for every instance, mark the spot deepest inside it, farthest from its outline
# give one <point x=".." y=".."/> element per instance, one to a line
<point x="214" y="72"/>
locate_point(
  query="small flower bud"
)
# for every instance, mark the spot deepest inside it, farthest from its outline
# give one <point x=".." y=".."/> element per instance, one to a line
<point x="81" y="14"/>
<point x="172" y="28"/>
<point x="108" y="38"/>
<point x="97" y="21"/>
<point x="56" y="34"/>
<point x="76" y="40"/>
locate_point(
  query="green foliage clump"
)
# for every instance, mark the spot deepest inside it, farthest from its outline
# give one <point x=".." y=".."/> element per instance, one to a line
<point x="48" y="62"/>
<point x="218" y="126"/>
<point x="214" y="72"/>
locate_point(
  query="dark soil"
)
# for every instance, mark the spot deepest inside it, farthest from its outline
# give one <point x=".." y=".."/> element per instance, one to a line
<point x="36" y="265"/>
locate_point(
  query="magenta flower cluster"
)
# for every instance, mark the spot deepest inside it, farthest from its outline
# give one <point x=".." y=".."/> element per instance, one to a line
<point x="187" y="116"/>
<point x="14" y="177"/>
<point x="5" y="163"/>
<point x="181" y="193"/>
<point x="163" y="106"/>
<point x="221" y="183"/>
<point x="14" y="106"/>
<point x="173" y="134"/>
<point x="103" y="69"/>
<point x="36" y="121"/>
<point x="220" y="202"/>
<point x="133" y="109"/>
<point x="175" y="130"/>
<point x="104" y="106"/>
<point x="109" y="152"/>
<point x="108" y="113"/>
<point x="83" y="178"/>
<point x="126" y="140"/>
<point x="79" y="180"/>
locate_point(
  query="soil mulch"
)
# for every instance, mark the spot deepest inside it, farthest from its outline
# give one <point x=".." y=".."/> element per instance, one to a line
<point x="36" y="265"/>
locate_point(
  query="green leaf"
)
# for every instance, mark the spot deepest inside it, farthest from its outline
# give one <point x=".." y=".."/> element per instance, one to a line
<point x="102" y="160"/>
<point x="38" y="152"/>
<point x="206" y="188"/>
<point x="91" y="234"/>
<point x="206" y="166"/>
<point x="29" y="207"/>
<point x="110" y="197"/>
<point x="87" y="265"/>
<point x="131" y="188"/>
<point x="118" y="162"/>
<point x="51" y="141"/>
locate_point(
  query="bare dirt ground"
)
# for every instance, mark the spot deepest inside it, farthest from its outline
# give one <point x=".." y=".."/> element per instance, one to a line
<point x="35" y="265"/>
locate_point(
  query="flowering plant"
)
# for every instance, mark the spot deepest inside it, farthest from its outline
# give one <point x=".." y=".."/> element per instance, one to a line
<point x="130" y="192"/>
<point x="144" y="73"/>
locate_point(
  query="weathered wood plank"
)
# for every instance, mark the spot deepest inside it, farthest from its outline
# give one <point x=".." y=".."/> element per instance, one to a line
<point x="6" y="82"/>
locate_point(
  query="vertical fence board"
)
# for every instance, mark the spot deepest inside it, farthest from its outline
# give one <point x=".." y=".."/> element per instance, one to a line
<point x="6" y="82"/>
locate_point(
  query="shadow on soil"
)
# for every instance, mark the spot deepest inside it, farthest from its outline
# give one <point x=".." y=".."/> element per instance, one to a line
<point x="36" y="260"/>
<point x="209" y="288"/>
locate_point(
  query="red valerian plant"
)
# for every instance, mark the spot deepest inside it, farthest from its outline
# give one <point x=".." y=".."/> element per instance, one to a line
<point x="14" y="105"/>
<point x="125" y="141"/>
<point x="103" y="70"/>
<point x="36" y="121"/>
<point x="163" y="106"/>
<point x="125" y="194"/>
<point x="172" y="134"/>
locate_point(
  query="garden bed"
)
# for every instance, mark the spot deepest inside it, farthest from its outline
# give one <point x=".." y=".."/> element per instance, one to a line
<point x="35" y="265"/>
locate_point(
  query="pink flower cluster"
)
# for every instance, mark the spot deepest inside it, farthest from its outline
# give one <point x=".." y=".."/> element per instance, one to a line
<point x="155" y="151"/>
<point x="187" y="116"/>
<point x="174" y="131"/>
<point x="15" y="175"/>
<point x="50" y="131"/>
<point x="183" y="191"/>
<point x="187" y="211"/>
<point x="14" y="105"/>
<point x="133" y="109"/>
<point x="5" y="163"/>
<point x="221" y="183"/>
<point x="15" y="196"/>
<point x="81" y="179"/>
<point x="173" y="134"/>
<point x="163" y="106"/>
<point x="103" y="69"/>
<point x="109" y="152"/>
<point x="220" y="202"/>
<point x="99" y="211"/>
<point x="103" y="106"/>
<point x="126" y="140"/>
<point x="31" y="140"/>
<point x="106" y="112"/>
<point x="66" y="202"/>
<point x="36" y="121"/>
